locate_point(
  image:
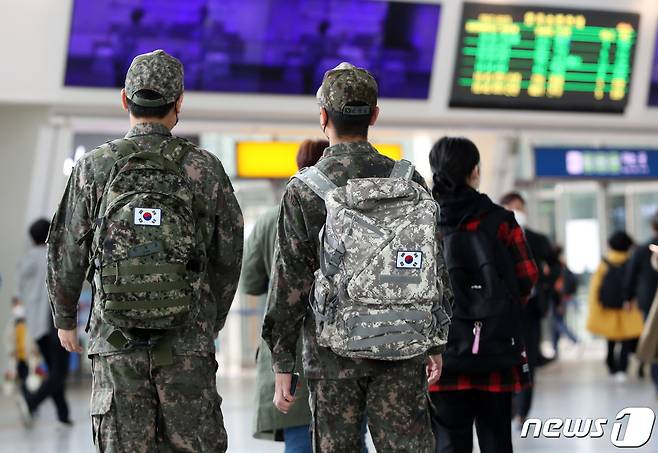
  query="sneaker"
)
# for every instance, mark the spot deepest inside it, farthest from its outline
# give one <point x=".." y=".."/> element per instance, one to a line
<point x="620" y="377"/>
<point x="27" y="417"/>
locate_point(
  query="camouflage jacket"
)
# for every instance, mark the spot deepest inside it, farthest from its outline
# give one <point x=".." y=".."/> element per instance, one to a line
<point x="302" y="215"/>
<point x="68" y="256"/>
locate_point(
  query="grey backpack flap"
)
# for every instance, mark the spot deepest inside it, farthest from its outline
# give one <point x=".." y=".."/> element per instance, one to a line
<point x="148" y="247"/>
<point x="377" y="282"/>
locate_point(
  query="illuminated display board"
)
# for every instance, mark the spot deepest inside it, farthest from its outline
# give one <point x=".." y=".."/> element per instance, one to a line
<point x="528" y="57"/>
<point x="277" y="160"/>
<point x="588" y="163"/>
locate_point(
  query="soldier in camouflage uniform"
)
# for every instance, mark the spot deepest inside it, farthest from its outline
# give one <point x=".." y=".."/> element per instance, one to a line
<point x="392" y="393"/>
<point x="138" y="404"/>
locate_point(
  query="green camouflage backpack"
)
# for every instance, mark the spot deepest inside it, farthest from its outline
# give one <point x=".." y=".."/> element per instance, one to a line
<point x="378" y="277"/>
<point x="148" y="253"/>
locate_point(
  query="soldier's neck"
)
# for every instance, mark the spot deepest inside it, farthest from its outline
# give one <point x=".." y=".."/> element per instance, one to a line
<point x="333" y="140"/>
<point x="167" y="121"/>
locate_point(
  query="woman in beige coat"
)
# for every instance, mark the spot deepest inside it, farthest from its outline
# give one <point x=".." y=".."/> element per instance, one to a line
<point x="621" y="325"/>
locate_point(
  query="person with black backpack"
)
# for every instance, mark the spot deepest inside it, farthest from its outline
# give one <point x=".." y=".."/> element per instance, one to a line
<point x="492" y="273"/>
<point x="610" y="316"/>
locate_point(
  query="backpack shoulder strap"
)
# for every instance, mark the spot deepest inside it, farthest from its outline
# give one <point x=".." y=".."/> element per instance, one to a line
<point x="122" y="147"/>
<point x="175" y="149"/>
<point x="316" y="180"/>
<point x="403" y="169"/>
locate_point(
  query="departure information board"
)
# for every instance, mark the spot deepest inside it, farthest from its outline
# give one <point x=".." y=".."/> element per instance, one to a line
<point x="529" y="57"/>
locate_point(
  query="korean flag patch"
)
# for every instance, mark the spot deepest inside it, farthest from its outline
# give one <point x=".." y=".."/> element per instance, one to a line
<point x="147" y="216"/>
<point x="409" y="260"/>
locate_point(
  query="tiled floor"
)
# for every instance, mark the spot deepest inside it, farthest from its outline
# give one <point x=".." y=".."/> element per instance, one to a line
<point x="573" y="388"/>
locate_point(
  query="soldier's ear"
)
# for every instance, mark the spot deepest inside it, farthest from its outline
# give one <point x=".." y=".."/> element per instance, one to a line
<point x="375" y="115"/>
<point x="179" y="103"/>
<point x="124" y="100"/>
<point x="324" y="118"/>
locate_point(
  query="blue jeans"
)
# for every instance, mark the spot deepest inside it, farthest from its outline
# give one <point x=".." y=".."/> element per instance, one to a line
<point x="297" y="439"/>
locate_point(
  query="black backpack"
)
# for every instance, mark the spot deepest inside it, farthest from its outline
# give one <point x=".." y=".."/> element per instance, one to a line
<point x="485" y="331"/>
<point x="611" y="293"/>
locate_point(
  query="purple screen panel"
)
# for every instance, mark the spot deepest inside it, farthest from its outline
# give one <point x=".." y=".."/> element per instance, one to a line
<point x="257" y="46"/>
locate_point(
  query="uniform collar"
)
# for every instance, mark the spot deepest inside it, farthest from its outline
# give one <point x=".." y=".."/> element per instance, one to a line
<point x="349" y="148"/>
<point x="148" y="129"/>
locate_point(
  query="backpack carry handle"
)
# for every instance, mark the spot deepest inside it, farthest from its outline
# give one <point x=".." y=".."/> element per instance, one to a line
<point x="403" y="169"/>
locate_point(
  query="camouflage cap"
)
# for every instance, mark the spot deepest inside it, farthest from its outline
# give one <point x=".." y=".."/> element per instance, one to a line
<point x="347" y="84"/>
<point x="157" y="71"/>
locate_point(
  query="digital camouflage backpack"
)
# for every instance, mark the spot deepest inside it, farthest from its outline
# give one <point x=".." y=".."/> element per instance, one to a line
<point x="148" y="247"/>
<point x="378" y="278"/>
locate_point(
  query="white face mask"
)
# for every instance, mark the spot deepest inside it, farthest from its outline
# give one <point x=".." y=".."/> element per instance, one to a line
<point x="18" y="312"/>
<point x="521" y="218"/>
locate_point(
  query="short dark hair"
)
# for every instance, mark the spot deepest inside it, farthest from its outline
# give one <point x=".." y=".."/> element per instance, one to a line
<point x="39" y="231"/>
<point x="350" y="125"/>
<point x="511" y="197"/>
<point x="654" y="222"/>
<point x="620" y="241"/>
<point x="310" y="151"/>
<point x="139" y="111"/>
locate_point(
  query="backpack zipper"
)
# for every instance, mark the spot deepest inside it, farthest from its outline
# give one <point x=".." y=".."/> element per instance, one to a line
<point x="477" y="328"/>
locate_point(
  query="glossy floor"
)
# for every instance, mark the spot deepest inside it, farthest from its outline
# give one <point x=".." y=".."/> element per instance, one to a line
<point x="573" y="388"/>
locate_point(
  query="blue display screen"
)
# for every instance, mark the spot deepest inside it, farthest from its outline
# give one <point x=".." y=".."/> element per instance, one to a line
<point x="587" y="163"/>
<point x="257" y="46"/>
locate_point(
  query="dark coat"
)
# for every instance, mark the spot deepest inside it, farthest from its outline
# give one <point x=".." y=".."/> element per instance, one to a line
<point x="641" y="279"/>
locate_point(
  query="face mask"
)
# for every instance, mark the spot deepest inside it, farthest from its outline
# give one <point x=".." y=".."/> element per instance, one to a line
<point x="18" y="312"/>
<point x="521" y="218"/>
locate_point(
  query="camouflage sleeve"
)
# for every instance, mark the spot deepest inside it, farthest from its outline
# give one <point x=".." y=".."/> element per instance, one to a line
<point x="291" y="283"/>
<point x="67" y="252"/>
<point x="225" y="253"/>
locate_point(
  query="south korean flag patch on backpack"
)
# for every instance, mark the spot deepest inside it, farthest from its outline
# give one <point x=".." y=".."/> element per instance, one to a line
<point x="148" y="216"/>
<point x="409" y="260"/>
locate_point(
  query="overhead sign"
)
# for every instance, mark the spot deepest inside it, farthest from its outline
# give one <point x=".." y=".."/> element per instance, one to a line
<point x="587" y="163"/>
<point x="277" y="160"/>
<point x="533" y="57"/>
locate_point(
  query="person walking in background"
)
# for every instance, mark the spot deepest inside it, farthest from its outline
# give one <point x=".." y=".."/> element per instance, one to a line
<point x="563" y="295"/>
<point x="610" y="315"/>
<point x="641" y="283"/>
<point x="33" y="295"/>
<point x="294" y="427"/>
<point x="538" y="304"/>
<point x="492" y="273"/>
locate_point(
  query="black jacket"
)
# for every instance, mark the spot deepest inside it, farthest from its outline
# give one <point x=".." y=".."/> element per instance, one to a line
<point x="641" y="279"/>
<point x="549" y="268"/>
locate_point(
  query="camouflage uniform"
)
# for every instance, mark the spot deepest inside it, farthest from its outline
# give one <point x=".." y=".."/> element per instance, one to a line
<point x="137" y="405"/>
<point x="394" y="394"/>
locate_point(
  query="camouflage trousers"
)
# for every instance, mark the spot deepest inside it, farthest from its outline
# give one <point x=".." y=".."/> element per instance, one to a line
<point x="395" y="403"/>
<point x="139" y="407"/>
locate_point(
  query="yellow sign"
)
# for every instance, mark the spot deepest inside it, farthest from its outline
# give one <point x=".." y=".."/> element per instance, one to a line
<point x="277" y="160"/>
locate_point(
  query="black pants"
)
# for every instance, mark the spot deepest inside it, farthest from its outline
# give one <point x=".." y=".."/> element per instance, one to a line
<point x="531" y="336"/>
<point x="618" y="352"/>
<point x="455" y="413"/>
<point x="57" y="359"/>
